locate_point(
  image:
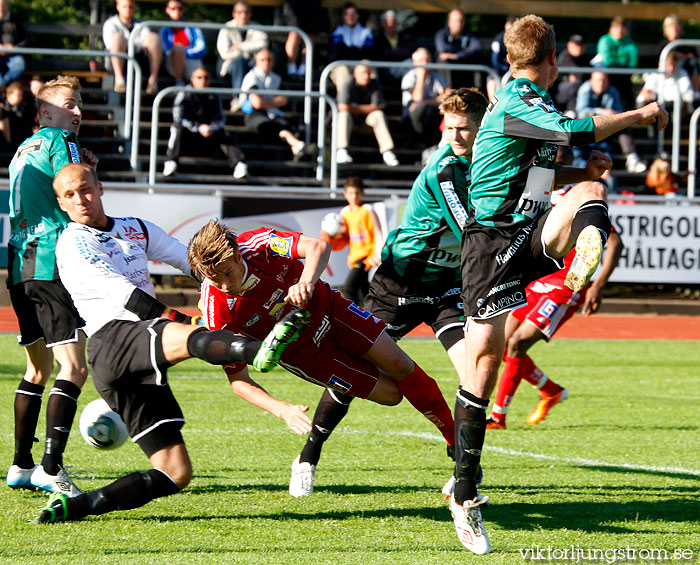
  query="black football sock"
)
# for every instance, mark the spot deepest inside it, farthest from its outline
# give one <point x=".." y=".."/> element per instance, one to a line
<point x="60" y="412"/>
<point x="470" y="423"/>
<point x="127" y="492"/>
<point x="219" y="347"/>
<point x="27" y="407"/>
<point x="331" y="409"/>
<point x="592" y="213"/>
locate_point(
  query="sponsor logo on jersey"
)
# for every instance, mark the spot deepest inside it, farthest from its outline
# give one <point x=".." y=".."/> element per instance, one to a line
<point x="129" y="258"/>
<point x="548" y="309"/>
<point x="453" y="203"/>
<point x="274" y="297"/>
<point x="73" y="151"/>
<point x="362" y="313"/>
<point x="503" y="286"/>
<point x="513" y="248"/>
<point x="280" y="276"/>
<point x="130" y="232"/>
<point x="322" y="330"/>
<point x="281" y="245"/>
<point x="252" y="321"/>
<point x="32" y="147"/>
<point x="542" y="104"/>
<point x="502" y="303"/>
<point x="276" y="312"/>
<point x="444" y="258"/>
<point x="524" y="89"/>
<point x="339" y="384"/>
<point x="230" y="302"/>
<point x="250" y="283"/>
<point x="447" y="160"/>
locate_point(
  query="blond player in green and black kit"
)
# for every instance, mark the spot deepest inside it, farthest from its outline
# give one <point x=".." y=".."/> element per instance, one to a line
<point x="49" y="323"/>
<point x="419" y="279"/>
<point x="513" y="236"/>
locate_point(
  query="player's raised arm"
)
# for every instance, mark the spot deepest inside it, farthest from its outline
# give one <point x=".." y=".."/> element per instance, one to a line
<point x="244" y="386"/>
<point x="315" y="254"/>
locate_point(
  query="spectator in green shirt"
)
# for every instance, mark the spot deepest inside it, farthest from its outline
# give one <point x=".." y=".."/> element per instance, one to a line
<point x="617" y="49"/>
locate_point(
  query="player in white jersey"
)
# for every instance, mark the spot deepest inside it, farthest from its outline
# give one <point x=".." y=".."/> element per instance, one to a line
<point x="103" y="263"/>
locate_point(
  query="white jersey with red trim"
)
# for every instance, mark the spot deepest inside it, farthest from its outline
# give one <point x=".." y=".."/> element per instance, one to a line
<point x="100" y="268"/>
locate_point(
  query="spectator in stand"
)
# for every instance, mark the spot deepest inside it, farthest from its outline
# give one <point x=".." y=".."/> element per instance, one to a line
<point x="310" y="17"/>
<point x="393" y="45"/>
<point x="115" y="34"/>
<point x="688" y="56"/>
<point x="12" y="34"/>
<point x="360" y="99"/>
<point x="238" y="47"/>
<point x="183" y="47"/>
<point x="421" y="93"/>
<point x="263" y="113"/>
<point x="597" y="97"/>
<point x="18" y="116"/>
<point x="198" y="128"/>
<point x="573" y="56"/>
<point x="456" y="44"/>
<point x="351" y="41"/>
<point x="499" y="61"/>
<point x="660" y="179"/>
<point x="616" y="49"/>
<point x="660" y="87"/>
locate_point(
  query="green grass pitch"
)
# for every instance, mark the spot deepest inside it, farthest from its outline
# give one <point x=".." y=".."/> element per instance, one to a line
<point x="615" y="468"/>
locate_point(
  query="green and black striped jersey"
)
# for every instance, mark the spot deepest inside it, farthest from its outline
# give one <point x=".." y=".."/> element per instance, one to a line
<point x="35" y="218"/>
<point x="425" y="248"/>
<point x="514" y="155"/>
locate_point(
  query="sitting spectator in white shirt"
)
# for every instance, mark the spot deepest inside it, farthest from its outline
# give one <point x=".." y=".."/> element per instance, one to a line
<point x="665" y="87"/>
<point x="115" y="34"/>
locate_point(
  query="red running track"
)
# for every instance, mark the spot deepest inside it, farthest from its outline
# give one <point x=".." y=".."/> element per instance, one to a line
<point x="579" y="327"/>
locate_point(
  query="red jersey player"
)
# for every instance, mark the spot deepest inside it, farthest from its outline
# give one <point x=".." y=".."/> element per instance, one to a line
<point x="549" y="305"/>
<point x="256" y="278"/>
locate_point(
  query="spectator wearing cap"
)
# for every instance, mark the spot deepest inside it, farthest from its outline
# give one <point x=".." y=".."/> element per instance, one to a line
<point x="573" y="56"/>
<point x="183" y="47"/>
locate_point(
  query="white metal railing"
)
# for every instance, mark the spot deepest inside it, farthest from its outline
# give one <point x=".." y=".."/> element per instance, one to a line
<point x="693" y="153"/>
<point x="323" y="88"/>
<point x="214" y="90"/>
<point x="133" y="95"/>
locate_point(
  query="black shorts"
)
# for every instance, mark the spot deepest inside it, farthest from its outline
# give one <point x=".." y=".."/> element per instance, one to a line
<point x="438" y="305"/>
<point x="260" y="123"/>
<point x="498" y="263"/>
<point x="130" y="372"/>
<point x="45" y="311"/>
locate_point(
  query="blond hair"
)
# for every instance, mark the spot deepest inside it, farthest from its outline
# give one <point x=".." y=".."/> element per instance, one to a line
<point x="48" y="91"/>
<point x="211" y="245"/>
<point x="465" y="101"/>
<point x="528" y="42"/>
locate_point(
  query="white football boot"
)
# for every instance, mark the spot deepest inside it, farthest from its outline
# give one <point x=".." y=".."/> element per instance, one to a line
<point x="302" y="481"/>
<point x="470" y="526"/>
<point x="61" y="483"/>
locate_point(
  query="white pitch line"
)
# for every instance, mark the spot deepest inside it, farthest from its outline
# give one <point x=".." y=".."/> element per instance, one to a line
<point x="541" y="456"/>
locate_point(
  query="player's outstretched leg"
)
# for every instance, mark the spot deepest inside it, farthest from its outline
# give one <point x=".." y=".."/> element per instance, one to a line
<point x="287" y="330"/>
<point x="331" y="409"/>
<point x="127" y="492"/>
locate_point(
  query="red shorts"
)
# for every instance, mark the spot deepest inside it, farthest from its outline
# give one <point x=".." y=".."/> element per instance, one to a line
<point x="549" y="306"/>
<point x="333" y="356"/>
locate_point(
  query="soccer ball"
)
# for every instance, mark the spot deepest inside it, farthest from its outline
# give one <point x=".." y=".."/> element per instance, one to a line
<point x="332" y="224"/>
<point x="101" y="427"/>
